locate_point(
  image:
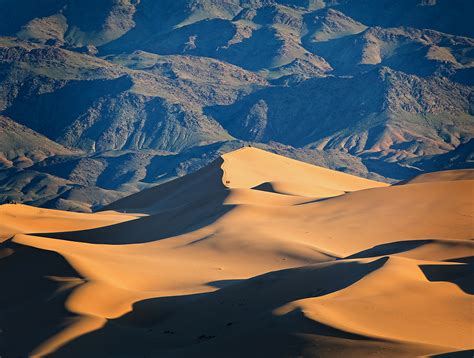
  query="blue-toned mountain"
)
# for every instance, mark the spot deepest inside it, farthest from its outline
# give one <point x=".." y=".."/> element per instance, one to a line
<point x="124" y="95"/>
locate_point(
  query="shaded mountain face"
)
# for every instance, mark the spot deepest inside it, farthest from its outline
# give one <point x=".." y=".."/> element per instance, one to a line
<point x="99" y="100"/>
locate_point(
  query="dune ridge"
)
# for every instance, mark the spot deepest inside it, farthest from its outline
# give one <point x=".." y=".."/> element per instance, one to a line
<point x="253" y="255"/>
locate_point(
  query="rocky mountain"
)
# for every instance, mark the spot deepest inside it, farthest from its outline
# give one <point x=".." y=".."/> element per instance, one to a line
<point x="21" y="147"/>
<point x="98" y="100"/>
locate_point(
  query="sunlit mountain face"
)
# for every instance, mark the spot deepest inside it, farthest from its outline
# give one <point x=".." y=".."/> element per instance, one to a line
<point x="102" y="99"/>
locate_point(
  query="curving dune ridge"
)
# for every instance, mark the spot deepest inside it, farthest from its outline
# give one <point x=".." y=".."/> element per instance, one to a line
<point x="254" y="255"/>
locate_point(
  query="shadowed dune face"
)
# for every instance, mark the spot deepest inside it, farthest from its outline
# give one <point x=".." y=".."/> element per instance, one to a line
<point x="191" y="188"/>
<point x="254" y="255"/>
<point x="33" y="298"/>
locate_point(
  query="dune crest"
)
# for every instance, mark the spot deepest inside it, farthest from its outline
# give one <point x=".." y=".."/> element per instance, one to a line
<point x="253" y="255"/>
<point x="245" y="168"/>
<point x="252" y="167"/>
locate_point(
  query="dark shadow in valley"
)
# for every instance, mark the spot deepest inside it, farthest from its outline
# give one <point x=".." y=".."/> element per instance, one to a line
<point x="390" y="170"/>
<point x="390" y="248"/>
<point x="468" y="353"/>
<point x="32" y="303"/>
<point x="461" y="275"/>
<point x="238" y="319"/>
<point x="160" y="226"/>
<point x="224" y="283"/>
<point x="268" y="187"/>
<point x="182" y="206"/>
<point x="464" y="260"/>
<point x="50" y="113"/>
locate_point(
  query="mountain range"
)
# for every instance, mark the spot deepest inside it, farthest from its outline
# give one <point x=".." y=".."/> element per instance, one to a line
<point x="102" y="99"/>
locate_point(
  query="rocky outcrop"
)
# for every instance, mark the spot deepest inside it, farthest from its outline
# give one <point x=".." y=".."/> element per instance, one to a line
<point x="106" y="99"/>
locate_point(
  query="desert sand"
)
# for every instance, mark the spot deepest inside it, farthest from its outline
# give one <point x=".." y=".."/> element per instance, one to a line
<point x="255" y="255"/>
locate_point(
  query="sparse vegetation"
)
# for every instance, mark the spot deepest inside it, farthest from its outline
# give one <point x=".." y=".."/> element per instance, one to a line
<point x="106" y="99"/>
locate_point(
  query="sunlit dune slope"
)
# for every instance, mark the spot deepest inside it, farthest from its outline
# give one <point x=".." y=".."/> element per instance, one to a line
<point x="449" y="175"/>
<point x="17" y="218"/>
<point x="254" y="255"/>
<point x="254" y="168"/>
<point x="246" y="168"/>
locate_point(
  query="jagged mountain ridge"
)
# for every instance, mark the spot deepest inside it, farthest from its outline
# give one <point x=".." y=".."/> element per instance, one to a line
<point x="135" y="87"/>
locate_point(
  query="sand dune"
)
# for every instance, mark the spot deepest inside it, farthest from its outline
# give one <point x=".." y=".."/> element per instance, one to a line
<point x="17" y="218"/>
<point x="246" y="168"/>
<point x="251" y="167"/>
<point x="254" y="255"/>
<point x="449" y="175"/>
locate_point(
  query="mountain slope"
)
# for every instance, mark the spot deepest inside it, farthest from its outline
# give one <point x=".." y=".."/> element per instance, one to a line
<point x="382" y="90"/>
<point x="21" y="146"/>
<point x="398" y="117"/>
